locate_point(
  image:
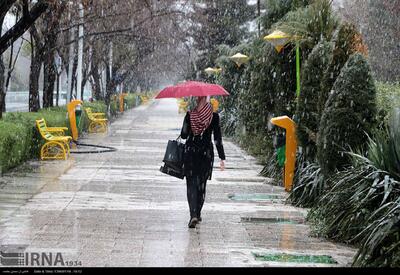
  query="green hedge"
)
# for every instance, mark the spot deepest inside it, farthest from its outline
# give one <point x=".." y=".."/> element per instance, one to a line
<point x="20" y="139"/>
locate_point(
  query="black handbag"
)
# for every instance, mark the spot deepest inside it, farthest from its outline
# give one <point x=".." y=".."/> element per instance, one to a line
<point x="173" y="159"/>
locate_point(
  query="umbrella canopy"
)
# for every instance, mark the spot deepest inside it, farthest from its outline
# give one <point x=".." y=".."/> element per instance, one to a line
<point x="192" y="88"/>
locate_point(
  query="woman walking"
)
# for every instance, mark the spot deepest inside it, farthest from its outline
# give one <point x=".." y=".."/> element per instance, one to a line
<point x="197" y="128"/>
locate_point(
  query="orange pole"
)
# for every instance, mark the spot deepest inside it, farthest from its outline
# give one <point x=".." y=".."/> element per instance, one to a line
<point x="121" y="102"/>
<point x="72" y="118"/>
<point x="291" y="148"/>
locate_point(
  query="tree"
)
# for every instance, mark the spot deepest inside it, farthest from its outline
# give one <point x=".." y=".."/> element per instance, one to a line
<point x="215" y="23"/>
<point x="51" y="24"/>
<point x="349" y="115"/>
<point x="231" y="79"/>
<point x="345" y="44"/>
<point x="29" y="16"/>
<point x="277" y="9"/>
<point x="310" y="23"/>
<point x="258" y="103"/>
<point x="308" y="114"/>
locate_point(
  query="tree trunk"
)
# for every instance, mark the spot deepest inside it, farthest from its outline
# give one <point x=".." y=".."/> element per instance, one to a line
<point x="36" y="64"/>
<point x="2" y="75"/>
<point x="2" y="78"/>
<point x="58" y="89"/>
<point x="50" y="78"/>
<point x="96" y="85"/>
<point x="34" y="101"/>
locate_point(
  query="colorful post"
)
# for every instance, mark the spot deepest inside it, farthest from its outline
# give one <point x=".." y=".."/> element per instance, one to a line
<point x="121" y="102"/>
<point x="291" y="148"/>
<point x="72" y="118"/>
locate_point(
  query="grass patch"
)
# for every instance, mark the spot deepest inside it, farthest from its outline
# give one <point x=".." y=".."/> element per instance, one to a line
<point x="293" y="258"/>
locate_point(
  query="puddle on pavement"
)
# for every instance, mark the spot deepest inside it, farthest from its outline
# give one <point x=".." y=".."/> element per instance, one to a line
<point x="277" y="220"/>
<point x="294" y="258"/>
<point x="255" y="197"/>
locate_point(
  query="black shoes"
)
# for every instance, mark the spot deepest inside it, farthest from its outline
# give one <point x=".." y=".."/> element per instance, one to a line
<point x="200" y="219"/>
<point x="193" y="222"/>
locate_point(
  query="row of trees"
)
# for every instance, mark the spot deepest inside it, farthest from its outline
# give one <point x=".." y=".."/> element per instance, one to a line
<point x="134" y="43"/>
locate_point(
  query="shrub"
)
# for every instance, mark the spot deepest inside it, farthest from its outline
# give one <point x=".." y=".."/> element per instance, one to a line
<point x="363" y="205"/>
<point x="131" y="101"/>
<point x="307" y="113"/>
<point x="349" y="115"/>
<point x="308" y="183"/>
<point x="344" y="46"/>
<point x="258" y="101"/>
<point x="14" y="145"/>
<point x="388" y="98"/>
<point x="230" y="79"/>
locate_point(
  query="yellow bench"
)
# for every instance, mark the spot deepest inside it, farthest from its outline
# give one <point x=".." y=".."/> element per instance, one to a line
<point x="183" y="106"/>
<point x="98" y="121"/>
<point x="56" y="145"/>
<point x="144" y="99"/>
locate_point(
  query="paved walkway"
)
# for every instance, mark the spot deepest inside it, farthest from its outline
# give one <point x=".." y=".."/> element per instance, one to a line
<point x="117" y="209"/>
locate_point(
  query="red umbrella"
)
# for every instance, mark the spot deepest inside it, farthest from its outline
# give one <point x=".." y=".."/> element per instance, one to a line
<point x="192" y="88"/>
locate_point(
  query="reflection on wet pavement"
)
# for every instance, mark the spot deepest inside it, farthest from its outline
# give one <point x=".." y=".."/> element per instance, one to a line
<point x="117" y="209"/>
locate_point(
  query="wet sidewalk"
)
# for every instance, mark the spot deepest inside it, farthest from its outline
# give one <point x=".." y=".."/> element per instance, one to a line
<point x="117" y="209"/>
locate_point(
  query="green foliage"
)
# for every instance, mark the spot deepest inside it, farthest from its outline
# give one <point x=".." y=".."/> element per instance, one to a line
<point x="381" y="244"/>
<point x="307" y="113"/>
<point x="308" y="183"/>
<point x="259" y="146"/>
<point x="131" y="101"/>
<point x="363" y="205"/>
<point x="350" y="114"/>
<point x="272" y="169"/>
<point x="343" y="47"/>
<point x="276" y="9"/>
<point x="388" y="98"/>
<point x="231" y="79"/>
<point x="257" y="103"/>
<point x="310" y="23"/>
<point x="14" y="145"/>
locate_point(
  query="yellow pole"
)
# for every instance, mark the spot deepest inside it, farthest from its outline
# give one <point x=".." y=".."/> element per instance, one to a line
<point x="72" y="118"/>
<point x="121" y="102"/>
<point x="291" y="148"/>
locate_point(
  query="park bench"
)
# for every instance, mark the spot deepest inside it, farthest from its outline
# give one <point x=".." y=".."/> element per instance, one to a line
<point x="183" y="105"/>
<point x="98" y="121"/>
<point x="57" y="144"/>
<point x="144" y="99"/>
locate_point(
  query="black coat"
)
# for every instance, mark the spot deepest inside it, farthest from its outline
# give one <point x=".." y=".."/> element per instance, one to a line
<point x="199" y="150"/>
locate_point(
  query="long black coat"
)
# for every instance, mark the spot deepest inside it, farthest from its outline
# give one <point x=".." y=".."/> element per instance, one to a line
<point x="199" y="150"/>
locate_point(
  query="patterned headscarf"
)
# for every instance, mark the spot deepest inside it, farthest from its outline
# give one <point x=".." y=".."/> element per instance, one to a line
<point x="201" y="119"/>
